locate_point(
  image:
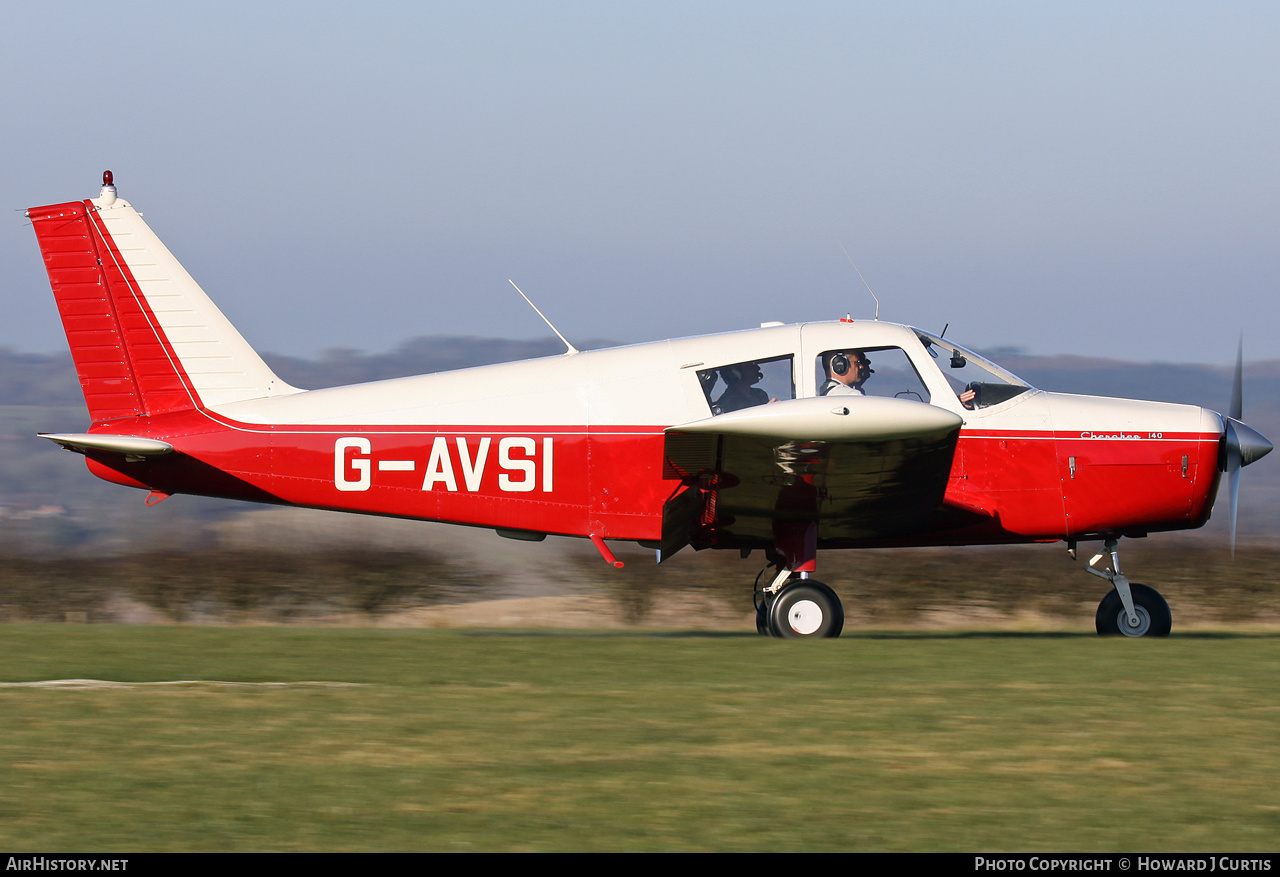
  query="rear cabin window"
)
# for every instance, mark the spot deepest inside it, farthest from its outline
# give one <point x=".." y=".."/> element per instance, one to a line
<point x="747" y="384"/>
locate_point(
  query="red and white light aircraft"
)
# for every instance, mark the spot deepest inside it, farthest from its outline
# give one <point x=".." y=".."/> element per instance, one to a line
<point x="723" y="441"/>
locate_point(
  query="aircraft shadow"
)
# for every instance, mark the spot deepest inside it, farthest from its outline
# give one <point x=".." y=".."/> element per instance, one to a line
<point x="859" y="635"/>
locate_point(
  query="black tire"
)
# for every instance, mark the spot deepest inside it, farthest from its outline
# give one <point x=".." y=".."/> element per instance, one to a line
<point x="764" y="602"/>
<point x="762" y="619"/>
<point x="806" y="609"/>
<point x="1154" y="616"/>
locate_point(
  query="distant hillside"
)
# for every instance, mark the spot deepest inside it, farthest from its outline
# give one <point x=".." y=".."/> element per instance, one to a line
<point x="1187" y="382"/>
<point x="50" y="380"/>
<point x="38" y="379"/>
<point x="47" y="498"/>
<point x="417" y="356"/>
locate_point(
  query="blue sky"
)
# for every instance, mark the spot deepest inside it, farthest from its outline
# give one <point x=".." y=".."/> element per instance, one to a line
<point x="1068" y="178"/>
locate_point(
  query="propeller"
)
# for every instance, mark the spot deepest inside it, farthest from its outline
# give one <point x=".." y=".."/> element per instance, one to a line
<point x="1243" y="444"/>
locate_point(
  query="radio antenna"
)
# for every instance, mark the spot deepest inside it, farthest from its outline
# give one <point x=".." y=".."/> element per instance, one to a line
<point x="860" y="277"/>
<point x="572" y="350"/>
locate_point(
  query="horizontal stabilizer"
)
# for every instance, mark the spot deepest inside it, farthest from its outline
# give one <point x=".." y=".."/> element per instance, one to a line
<point x="832" y="419"/>
<point x="128" y="445"/>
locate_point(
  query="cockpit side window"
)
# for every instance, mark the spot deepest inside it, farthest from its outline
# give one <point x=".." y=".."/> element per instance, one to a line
<point x="741" y="385"/>
<point x="888" y="371"/>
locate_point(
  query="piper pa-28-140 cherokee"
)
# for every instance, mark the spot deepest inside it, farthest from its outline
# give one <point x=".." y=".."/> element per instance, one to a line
<point x="781" y="438"/>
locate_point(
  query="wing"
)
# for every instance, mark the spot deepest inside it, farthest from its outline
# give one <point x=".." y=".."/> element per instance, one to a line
<point x="864" y="468"/>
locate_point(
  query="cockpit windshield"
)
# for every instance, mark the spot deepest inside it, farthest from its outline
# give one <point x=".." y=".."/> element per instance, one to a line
<point x="978" y="382"/>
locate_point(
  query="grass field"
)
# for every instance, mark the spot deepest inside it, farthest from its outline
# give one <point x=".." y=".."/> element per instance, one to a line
<point x="453" y="741"/>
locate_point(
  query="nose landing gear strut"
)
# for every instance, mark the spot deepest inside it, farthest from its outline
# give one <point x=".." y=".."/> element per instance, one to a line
<point x="1128" y="609"/>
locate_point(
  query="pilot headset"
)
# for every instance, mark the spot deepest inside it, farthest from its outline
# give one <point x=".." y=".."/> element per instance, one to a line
<point x="746" y="372"/>
<point x="840" y="364"/>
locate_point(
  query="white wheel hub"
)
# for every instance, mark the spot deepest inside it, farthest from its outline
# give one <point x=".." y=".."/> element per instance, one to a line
<point x="805" y="617"/>
<point x="1144" y="622"/>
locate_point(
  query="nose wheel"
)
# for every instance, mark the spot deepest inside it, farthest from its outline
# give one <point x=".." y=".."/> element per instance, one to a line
<point x="1153" y="616"/>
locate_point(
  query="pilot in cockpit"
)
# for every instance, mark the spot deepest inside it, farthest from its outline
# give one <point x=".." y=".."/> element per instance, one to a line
<point x="847" y="371"/>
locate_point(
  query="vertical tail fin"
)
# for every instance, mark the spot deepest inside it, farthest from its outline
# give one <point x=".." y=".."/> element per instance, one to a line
<point x="144" y="336"/>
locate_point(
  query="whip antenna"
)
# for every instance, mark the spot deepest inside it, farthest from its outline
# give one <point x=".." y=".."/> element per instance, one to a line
<point x="860" y="277"/>
<point x="571" y="349"/>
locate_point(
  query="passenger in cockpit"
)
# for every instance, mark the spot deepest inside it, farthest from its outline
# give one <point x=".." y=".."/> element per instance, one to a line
<point x="740" y="388"/>
<point x="847" y="371"/>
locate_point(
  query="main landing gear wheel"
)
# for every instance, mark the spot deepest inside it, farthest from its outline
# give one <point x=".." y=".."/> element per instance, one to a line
<point x="806" y="609"/>
<point x="1154" y="618"/>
